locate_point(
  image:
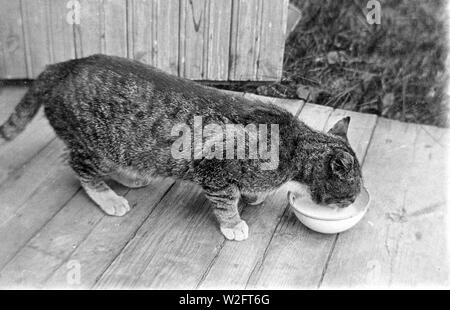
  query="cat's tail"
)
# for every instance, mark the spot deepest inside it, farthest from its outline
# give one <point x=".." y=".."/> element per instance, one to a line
<point x="22" y="115"/>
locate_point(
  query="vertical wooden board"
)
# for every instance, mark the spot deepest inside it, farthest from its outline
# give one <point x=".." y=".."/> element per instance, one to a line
<point x="297" y="256"/>
<point x="245" y="39"/>
<point x="115" y="19"/>
<point x="218" y="40"/>
<point x="177" y="241"/>
<point x="96" y="247"/>
<point x="90" y="33"/>
<point x="401" y="240"/>
<point x="166" y="19"/>
<point x="141" y="30"/>
<point x="12" y="44"/>
<point x="61" y="32"/>
<point x="271" y="50"/>
<point x="194" y="26"/>
<point x="36" y="18"/>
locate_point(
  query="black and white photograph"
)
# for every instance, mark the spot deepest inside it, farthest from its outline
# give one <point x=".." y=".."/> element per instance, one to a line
<point x="224" y="145"/>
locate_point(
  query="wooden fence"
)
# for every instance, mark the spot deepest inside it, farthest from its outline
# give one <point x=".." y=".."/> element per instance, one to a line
<point x="197" y="39"/>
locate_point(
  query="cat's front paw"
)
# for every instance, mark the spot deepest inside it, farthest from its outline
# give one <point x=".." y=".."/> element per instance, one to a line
<point x="115" y="206"/>
<point x="238" y="232"/>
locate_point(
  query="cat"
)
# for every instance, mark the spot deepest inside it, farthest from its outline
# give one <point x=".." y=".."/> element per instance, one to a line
<point x="115" y="117"/>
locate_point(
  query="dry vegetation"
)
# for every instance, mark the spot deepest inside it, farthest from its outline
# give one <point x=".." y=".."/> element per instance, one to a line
<point x="395" y="69"/>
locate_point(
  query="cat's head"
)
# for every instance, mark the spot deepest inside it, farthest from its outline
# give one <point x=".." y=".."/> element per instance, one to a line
<point x="337" y="179"/>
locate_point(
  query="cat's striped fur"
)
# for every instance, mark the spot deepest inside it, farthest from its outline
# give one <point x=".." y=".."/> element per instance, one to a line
<point x="115" y="116"/>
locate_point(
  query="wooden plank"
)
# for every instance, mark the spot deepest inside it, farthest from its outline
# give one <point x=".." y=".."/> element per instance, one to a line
<point x="183" y="223"/>
<point x="47" y="250"/>
<point x="291" y="105"/>
<point x="233" y="265"/>
<point x="402" y="240"/>
<point x="296" y="256"/>
<point x="115" y="19"/>
<point x="141" y="31"/>
<point x="237" y="261"/>
<point x="36" y="23"/>
<point x="273" y="32"/>
<point x="194" y="24"/>
<point x="166" y="47"/>
<point x="245" y="39"/>
<point x="90" y="33"/>
<point x="315" y="116"/>
<point x="80" y="232"/>
<point x="33" y="196"/>
<point x="12" y="43"/>
<point x="61" y="32"/>
<point x="107" y="239"/>
<point x="218" y="40"/>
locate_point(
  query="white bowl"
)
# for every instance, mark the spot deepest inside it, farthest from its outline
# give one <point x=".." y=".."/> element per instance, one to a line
<point x="328" y="219"/>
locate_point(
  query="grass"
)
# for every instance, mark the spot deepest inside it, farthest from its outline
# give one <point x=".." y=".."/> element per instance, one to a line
<point x="395" y="69"/>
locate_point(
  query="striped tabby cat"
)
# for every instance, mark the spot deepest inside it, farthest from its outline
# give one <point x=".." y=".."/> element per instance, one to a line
<point x="115" y="116"/>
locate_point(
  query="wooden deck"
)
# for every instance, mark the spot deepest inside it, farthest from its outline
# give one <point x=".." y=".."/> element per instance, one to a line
<point x="170" y="239"/>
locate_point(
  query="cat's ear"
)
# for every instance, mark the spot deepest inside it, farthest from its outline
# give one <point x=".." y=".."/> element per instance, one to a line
<point x="341" y="164"/>
<point x="340" y="128"/>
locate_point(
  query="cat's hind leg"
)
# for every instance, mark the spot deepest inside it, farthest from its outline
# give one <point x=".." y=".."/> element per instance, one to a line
<point x="106" y="198"/>
<point x="91" y="173"/>
<point x="129" y="178"/>
<point x="225" y="208"/>
<point x="255" y="198"/>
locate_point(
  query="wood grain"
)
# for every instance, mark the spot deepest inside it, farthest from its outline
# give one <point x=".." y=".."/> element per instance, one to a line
<point x="141" y="30"/>
<point x="12" y="43"/>
<point x="194" y="32"/>
<point x="115" y="27"/>
<point x="273" y="32"/>
<point x="62" y="42"/>
<point x="97" y="248"/>
<point x="218" y="40"/>
<point x="36" y="23"/>
<point x="245" y="40"/>
<point x="32" y="196"/>
<point x="297" y="256"/>
<point x="71" y="232"/>
<point x="196" y="39"/>
<point x="401" y="241"/>
<point x="183" y="224"/>
<point x="90" y="33"/>
<point x="168" y="42"/>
